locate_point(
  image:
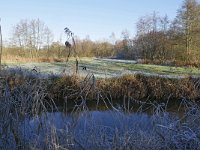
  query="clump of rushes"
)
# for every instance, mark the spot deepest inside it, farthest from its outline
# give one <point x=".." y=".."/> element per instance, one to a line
<point x="164" y="88"/>
<point x="64" y="89"/>
<point x="141" y="87"/>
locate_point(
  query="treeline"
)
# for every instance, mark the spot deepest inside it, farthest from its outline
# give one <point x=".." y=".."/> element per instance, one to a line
<point x="158" y="40"/>
<point x="177" y="41"/>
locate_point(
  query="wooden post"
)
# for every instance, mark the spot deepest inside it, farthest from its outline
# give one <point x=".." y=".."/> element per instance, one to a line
<point x="76" y="66"/>
<point x="1" y="45"/>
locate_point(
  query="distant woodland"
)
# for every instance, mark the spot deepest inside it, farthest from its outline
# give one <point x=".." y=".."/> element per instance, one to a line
<point x="158" y="40"/>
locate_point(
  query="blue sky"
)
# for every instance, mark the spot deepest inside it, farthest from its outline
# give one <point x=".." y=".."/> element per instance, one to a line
<point x="96" y="18"/>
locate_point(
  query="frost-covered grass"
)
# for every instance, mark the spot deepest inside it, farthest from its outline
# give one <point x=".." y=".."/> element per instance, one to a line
<point x="110" y="68"/>
<point x="162" y="69"/>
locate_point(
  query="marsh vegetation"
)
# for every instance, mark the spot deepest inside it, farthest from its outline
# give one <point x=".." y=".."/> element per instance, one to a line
<point x="74" y="112"/>
<point x="131" y="93"/>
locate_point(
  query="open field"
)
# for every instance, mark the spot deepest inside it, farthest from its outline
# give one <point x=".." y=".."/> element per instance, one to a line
<point x="104" y="68"/>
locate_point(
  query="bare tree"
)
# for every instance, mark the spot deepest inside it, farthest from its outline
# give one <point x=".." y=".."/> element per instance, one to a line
<point x="31" y="35"/>
<point x="48" y="39"/>
<point x="188" y="22"/>
<point x="152" y="40"/>
<point x="20" y="37"/>
<point x="37" y="35"/>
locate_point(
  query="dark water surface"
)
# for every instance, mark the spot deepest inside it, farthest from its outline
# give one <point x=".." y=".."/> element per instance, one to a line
<point x="97" y="122"/>
<point x="89" y="129"/>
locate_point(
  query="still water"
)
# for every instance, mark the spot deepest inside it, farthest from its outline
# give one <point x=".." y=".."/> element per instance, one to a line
<point x="88" y="124"/>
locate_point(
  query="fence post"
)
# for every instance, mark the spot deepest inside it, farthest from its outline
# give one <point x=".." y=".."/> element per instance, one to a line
<point x="1" y="45"/>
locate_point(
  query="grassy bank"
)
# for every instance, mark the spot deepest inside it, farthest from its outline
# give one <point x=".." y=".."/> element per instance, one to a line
<point x="78" y="89"/>
<point x="128" y="89"/>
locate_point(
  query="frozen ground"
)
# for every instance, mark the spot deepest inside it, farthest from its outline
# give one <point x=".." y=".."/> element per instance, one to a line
<point x="105" y="68"/>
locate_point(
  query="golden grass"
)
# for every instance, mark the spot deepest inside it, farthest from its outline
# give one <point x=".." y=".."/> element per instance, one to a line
<point x="160" y="89"/>
<point x="178" y="63"/>
<point x="128" y="87"/>
<point x="18" y="59"/>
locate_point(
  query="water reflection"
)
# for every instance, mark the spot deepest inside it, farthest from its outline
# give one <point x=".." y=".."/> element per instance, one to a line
<point x="90" y="129"/>
<point x="88" y="122"/>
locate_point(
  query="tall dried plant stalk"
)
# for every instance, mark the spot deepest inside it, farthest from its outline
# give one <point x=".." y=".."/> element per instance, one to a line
<point x="70" y="34"/>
